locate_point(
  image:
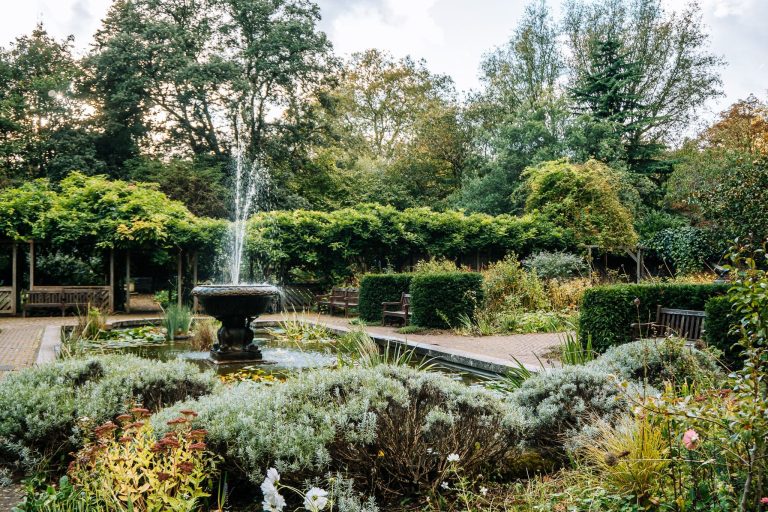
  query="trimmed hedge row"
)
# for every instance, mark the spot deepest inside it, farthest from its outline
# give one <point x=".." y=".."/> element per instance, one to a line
<point x="378" y="288"/>
<point x="332" y="246"/>
<point x="607" y="311"/>
<point x="439" y="298"/>
<point x="717" y="326"/>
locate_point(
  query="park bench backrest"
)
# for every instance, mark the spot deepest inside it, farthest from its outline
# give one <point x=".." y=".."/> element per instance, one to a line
<point x="338" y="294"/>
<point x="685" y="323"/>
<point x="45" y="296"/>
<point x="81" y="297"/>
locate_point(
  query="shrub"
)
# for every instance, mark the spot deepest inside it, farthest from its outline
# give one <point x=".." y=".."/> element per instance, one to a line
<point x="583" y="198"/>
<point x="508" y="287"/>
<point x="687" y="248"/>
<point x="126" y="468"/>
<point x="435" y="265"/>
<point x="717" y="329"/>
<point x="608" y="311"/>
<point x="378" y="288"/>
<point x="70" y="269"/>
<point x="556" y="265"/>
<point x="656" y="362"/>
<point x="46" y="408"/>
<point x="567" y="294"/>
<point x="437" y="300"/>
<point x="526" y="322"/>
<point x="560" y="402"/>
<point x="388" y="426"/>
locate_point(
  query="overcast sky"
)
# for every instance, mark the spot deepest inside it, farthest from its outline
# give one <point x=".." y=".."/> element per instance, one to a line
<point x="451" y="35"/>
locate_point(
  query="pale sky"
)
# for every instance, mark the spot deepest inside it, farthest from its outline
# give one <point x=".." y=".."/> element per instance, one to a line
<point x="452" y="35"/>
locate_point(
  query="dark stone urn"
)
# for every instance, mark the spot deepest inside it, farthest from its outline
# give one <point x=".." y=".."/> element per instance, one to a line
<point x="235" y="306"/>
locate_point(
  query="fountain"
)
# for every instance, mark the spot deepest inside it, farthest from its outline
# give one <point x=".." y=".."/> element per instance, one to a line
<point x="236" y="305"/>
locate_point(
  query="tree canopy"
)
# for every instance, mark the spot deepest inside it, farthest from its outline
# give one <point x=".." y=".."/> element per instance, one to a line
<point x="583" y="198"/>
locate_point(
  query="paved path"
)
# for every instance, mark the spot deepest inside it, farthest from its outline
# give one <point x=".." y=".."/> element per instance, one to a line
<point x="18" y="346"/>
<point x="20" y="339"/>
<point x="529" y="349"/>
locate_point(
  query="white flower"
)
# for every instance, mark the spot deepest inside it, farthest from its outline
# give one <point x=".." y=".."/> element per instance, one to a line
<point x="444" y="485"/>
<point x="267" y="487"/>
<point x="273" y="476"/>
<point x="273" y="502"/>
<point x="483" y="491"/>
<point x="430" y="451"/>
<point x="315" y="500"/>
<point x="454" y="457"/>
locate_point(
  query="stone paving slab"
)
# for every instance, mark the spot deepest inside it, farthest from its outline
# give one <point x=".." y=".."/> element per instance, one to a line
<point x="529" y="349"/>
<point x="19" y="346"/>
<point x="20" y="338"/>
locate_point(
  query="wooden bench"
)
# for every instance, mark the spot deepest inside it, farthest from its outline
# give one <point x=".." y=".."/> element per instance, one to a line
<point x="402" y="312"/>
<point x="685" y="323"/>
<point x="339" y="299"/>
<point x="65" y="298"/>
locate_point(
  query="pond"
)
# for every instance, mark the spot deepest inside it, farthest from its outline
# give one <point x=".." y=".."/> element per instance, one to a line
<point x="281" y="359"/>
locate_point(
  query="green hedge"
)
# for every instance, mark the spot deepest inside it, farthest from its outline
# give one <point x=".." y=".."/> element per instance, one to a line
<point x="333" y="246"/>
<point x="607" y="311"/>
<point x="378" y="288"/>
<point x="717" y="326"/>
<point x="437" y="297"/>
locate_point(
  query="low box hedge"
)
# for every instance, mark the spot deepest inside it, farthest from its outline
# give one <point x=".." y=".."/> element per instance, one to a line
<point x="717" y="326"/>
<point x="607" y="312"/>
<point x="439" y="299"/>
<point x="378" y="288"/>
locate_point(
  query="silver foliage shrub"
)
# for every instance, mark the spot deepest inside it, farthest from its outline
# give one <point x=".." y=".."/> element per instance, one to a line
<point x="658" y="361"/>
<point x="556" y="265"/>
<point x="559" y="403"/>
<point x="44" y="408"/>
<point x="390" y="428"/>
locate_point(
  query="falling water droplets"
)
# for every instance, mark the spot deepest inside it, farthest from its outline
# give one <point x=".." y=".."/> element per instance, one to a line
<point x="251" y="195"/>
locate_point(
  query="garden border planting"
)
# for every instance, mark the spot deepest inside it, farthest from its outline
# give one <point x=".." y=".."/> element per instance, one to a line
<point x="607" y="312"/>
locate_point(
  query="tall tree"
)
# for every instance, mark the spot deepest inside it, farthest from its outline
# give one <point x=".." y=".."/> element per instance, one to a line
<point x="115" y="84"/>
<point x="518" y="117"/>
<point x="396" y="131"/>
<point x="613" y="118"/>
<point x="380" y="101"/>
<point x="722" y="176"/>
<point x="675" y="74"/>
<point x="203" y="72"/>
<point x="43" y="124"/>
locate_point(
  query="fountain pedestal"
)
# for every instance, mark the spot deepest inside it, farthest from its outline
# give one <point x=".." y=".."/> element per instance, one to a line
<point x="235" y="306"/>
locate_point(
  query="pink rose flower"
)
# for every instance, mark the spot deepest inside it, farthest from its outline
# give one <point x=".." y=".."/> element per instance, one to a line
<point x="691" y="439"/>
<point x="764" y="501"/>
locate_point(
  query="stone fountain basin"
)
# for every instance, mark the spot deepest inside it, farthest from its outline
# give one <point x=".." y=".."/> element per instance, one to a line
<point x="235" y="300"/>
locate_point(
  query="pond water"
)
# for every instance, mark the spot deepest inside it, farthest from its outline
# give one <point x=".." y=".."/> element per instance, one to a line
<point x="280" y="361"/>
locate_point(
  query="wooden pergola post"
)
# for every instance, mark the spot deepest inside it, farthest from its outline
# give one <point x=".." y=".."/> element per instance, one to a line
<point x="638" y="259"/>
<point x="194" y="281"/>
<point x="111" y="280"/>
<point x="14" y="279"/>
<point x="31" y="264"/>
<point x="127" y="281"/>
<point x="179" y="278"/>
